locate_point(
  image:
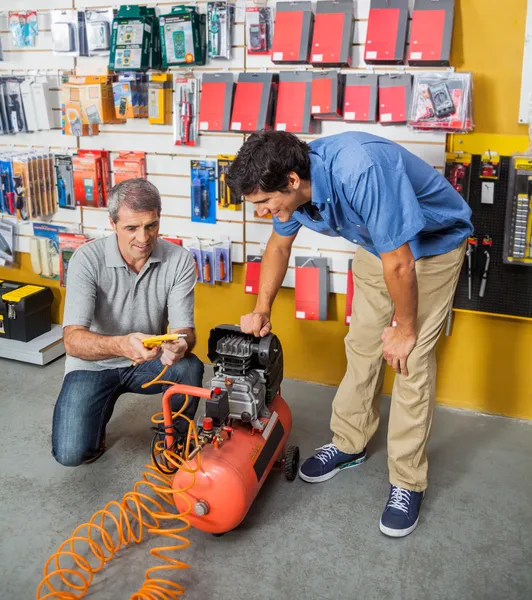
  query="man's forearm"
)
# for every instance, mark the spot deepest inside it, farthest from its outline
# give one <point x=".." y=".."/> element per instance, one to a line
<point x="190" y="339"/>
<point x="401" y="281"/>
<point x="93" y="346"/>
<point x="272" y="272"/>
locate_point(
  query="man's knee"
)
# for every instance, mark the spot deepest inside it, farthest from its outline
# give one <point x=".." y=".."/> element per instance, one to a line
<point x="188" y="371"/>
<point x="68" y="457"/>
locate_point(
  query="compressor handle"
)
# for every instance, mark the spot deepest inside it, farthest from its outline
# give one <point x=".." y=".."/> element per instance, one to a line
<point x="188" y="390"/>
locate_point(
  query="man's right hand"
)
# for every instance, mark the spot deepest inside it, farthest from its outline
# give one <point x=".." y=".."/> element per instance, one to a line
<point x="257" y="323"/>
<point x="134" y="349"/>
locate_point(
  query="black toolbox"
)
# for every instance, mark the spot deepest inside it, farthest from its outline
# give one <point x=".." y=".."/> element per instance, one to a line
<point x="25" y="310"/>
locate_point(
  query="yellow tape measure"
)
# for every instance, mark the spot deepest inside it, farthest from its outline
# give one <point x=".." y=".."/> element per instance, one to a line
<point x="157" y="340"/>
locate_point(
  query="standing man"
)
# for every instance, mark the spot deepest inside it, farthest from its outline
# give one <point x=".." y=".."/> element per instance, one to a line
<point x="121" y="289"/>
<point x="411" y="227"/>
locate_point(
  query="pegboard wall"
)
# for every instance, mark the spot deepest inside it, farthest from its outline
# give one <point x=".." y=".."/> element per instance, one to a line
<point x="168" y="166"/>
<point x="509" y="287"/>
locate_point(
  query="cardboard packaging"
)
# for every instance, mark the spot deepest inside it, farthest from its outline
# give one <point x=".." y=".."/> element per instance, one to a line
<point x="294" y="22"/>
<point x="253" y="263"/>
<point x="160" y="99"/>
<point x="386" y="33"/>
<point x="360" y="98"/>
<point x="255" y="96"/>
<point x="431" y="33"/>
<point x="129" y="165"/>
<point x="395" y="93"/>
<point x="293" y="111"/>
<point x="333" y="34"/>
<point x="135" y="41"/>
<point x="312" y="288"/>
<point x="327" y="95"/>
<point x="216" y="102"/>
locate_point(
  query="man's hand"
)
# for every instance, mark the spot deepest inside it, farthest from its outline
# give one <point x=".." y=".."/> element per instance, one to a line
<point x="133" y="348"/>
<point x="171" y="352"/>
<point x="397" y="348"/>
<point x="257" y="323"/>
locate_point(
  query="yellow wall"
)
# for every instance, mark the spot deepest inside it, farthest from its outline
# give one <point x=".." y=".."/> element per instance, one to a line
<point x="484" y="365"/>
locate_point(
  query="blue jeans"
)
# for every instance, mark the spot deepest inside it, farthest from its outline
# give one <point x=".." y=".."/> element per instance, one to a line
<point x="87" y="400"/>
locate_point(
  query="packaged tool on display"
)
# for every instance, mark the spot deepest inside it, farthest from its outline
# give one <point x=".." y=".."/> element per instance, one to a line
<point x="259" y="29"/>
<point x="44" y="250"/>
<point x="24" y="28"/>
<point x="312" y="288"/>
<point x="223" y="266"/>
<point x="360" y="98"/>
<point x="442" y="102"/>
<point x="68" y="244"/>
<point x="226" y="199"/>
<point x="386" y="33"/>
<point x="25" y="310"/>
<point x="183" y="39"/>
<point x="254" y="103"/>
<point x="129" y="165"/>
<point x="130" y="96"/>
<point x="208" y="264"/>
<point x="92" y="177"/>
<point x="186" y="111"/>
<point x="203" y="191"/>
<point x="159" y="99"/>
<point x="332" y="39"/>
<point x="294" y="22"/>
<point x="293" y="111"/>
<point x="68" y="32"/>
<point x="458" y="172"/>
<point x="486" y="250"/>
<point x="64" y="178"/>
<point x="518" y="222"/>
<point x="135" y="42"/>
<point x="219" y="29"/>
<point x="195" y="250"/>
<point x="7" y="243"/>
<point x="327" y="101"/>
<point x="253" y="264"/>
<point x="216" y="101"/>
<point x="395" y="93"/>
<point x="431" y="33"/>
<point x="99" y="23"/>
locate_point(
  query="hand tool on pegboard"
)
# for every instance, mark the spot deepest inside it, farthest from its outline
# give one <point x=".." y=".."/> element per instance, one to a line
<point x="471" y="255"/>
<point x="487" y="243"/>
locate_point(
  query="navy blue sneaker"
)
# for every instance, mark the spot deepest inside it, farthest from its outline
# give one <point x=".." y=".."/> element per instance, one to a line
<point x="327" y="462"/>
<point x="401" y="514"/>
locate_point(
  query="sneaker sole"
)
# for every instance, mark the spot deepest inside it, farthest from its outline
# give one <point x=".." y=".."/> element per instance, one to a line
<point x="397" y="533"/>
<point x="331" y="474"/>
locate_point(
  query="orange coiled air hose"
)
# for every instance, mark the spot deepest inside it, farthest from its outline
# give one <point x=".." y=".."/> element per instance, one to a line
<point x="120" y="523"/>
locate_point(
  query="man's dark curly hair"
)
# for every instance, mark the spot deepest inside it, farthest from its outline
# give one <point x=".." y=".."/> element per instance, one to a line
<point x="265" y="161"/>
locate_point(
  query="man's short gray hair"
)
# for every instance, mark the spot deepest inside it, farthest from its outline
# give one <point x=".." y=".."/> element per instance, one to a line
<point x="136" y="194"/>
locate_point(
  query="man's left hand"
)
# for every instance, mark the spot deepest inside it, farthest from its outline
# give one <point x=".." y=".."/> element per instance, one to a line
<point x="171" y="352"/>
<point x="397" y="348"/>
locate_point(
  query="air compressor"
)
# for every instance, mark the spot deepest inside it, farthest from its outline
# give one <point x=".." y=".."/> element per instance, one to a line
<point x="242" y="429"/>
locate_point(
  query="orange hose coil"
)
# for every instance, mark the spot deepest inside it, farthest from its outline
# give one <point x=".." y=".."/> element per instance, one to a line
<point x="136" y="507"/>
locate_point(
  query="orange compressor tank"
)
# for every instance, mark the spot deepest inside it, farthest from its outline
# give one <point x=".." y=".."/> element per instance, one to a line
<point x="232" y="474"/>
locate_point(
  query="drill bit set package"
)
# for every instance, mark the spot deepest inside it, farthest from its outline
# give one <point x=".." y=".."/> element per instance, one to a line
<point x="518" y="225"/>
<point x="186" y="111"/>
<point x="203" y="191"/>
<point x="219" y="29"/>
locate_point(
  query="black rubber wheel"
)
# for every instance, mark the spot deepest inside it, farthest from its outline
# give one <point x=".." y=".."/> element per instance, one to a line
<point x="291" y="462"/>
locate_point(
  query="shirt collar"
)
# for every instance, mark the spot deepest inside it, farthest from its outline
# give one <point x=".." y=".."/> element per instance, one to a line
<point x="113" y="258"/>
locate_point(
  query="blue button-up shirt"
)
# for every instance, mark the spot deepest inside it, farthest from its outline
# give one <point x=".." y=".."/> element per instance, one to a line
<point x="375" y="193"/>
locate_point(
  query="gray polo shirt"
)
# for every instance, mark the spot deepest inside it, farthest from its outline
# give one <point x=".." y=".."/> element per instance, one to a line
<point x="104" y="295"/>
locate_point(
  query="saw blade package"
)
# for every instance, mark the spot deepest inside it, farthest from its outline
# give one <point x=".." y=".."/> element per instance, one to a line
<point x="219" y="29"/>
<point x="442" y="102"/>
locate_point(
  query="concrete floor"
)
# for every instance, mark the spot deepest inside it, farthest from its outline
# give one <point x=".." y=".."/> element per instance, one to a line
<point x="299" y="541"/>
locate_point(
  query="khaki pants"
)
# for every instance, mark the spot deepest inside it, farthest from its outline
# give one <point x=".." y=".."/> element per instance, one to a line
<point x="355" y="414"/>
